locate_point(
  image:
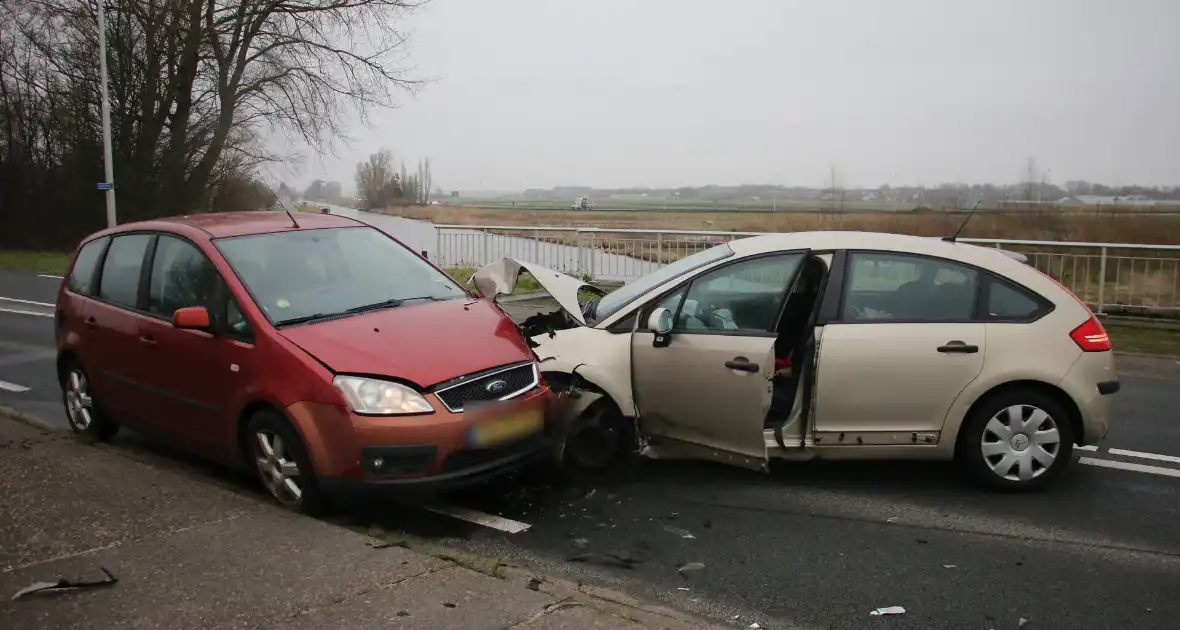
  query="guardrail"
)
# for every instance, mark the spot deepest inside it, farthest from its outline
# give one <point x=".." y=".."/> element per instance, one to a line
<point x="1113" y="278"/>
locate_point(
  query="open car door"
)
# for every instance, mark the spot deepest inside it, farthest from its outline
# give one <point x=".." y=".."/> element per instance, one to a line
<point x="702" y="377"/>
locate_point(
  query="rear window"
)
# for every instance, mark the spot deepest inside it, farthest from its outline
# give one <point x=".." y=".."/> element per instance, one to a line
<point x="305" y="274"/>
<point x="81" y="280"/>
<point x="1007" y="302"/>
<point x="121" y="269"/>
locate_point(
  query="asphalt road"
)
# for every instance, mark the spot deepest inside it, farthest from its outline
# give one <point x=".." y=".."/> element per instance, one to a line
<point x="810" y="545"/>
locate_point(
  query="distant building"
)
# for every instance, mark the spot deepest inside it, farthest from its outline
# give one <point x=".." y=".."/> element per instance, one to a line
<point x="1107" y="200"/>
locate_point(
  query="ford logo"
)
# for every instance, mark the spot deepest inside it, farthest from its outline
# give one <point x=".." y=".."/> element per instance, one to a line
<point x="496" y="387"/>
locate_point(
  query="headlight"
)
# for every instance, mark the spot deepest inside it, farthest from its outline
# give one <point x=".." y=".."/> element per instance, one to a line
<point x="372" y="396"/>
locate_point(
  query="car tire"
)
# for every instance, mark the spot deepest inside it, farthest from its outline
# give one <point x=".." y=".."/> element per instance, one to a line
<point x="600" y="447"/>
<point x="86" y="418"/>
<point x="280" y="461"/>
<point x="1007" y="441"/>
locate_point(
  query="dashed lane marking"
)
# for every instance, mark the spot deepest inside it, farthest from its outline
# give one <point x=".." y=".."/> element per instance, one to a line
<point x="20" y="312"/>
<point x="1151" y="470"/>
<point x="1089" y="447"/>
<point x="8" y="299"/>
<point x="480" y="518"/>
<point x="49" y="275"/>
<point x="13" y="387"/>
<point x="1172" y="459"/>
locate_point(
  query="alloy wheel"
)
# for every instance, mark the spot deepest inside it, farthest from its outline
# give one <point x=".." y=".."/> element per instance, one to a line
<point x="79" y="404"/>
<point x="277" y="468"/>
<point x="1020" y="443"/>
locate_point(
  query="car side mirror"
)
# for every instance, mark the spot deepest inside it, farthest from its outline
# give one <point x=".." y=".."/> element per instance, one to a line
<point x="191" y="318"/>
<point x="660" y="321"/>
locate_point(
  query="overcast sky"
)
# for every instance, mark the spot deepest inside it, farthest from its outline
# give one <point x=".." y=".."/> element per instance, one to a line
<point x="538" y="93"/>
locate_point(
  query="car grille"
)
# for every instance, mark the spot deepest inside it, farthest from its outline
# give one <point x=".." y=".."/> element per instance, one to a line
<point x="497" y="384"/>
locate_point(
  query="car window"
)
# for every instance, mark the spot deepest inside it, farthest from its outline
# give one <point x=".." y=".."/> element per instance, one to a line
<point x="742" y="297"/>
<point x="900" y="287"/>
<point x="296" y="275"/>
<point x="182" y="276"/>
<point x="120" y="271"/>
<point x="236" y="324"/>
<point x="617" y="299"/>
<point x="82" y="275"/>
<point x="1007" y="302"/>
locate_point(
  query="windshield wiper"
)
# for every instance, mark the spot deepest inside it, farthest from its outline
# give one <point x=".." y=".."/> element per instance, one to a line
<point x="302" y="320"/>
<point x="391" y="303"/>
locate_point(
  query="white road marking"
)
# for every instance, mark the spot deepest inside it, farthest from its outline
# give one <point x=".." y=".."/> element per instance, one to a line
<point x="8" y="299"/>
<point x="13" y="387"/>
<point x="1090" y="447"/>
<point x="49" y="275"/>
<point x="480" y="518"/>
<point x="1154" y="470"/>
<point x="1160" y="458"/>
<point x="9" y="310"/>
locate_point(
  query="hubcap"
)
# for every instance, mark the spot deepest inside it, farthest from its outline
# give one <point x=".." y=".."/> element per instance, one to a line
<point x="1020" y="442"/>
<point x="278" y="471"/>
<point x="79" y="404"/>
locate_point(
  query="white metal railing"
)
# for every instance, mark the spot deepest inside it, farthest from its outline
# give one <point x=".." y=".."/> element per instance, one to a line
<point x="1115" y="278"/>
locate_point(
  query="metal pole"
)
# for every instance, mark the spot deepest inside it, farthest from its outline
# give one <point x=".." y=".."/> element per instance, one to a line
<point x="1102" y="282"/>
<point x="108" y="166"/>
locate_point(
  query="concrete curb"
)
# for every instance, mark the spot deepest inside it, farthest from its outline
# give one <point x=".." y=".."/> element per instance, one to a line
<point x="24" y="418"/>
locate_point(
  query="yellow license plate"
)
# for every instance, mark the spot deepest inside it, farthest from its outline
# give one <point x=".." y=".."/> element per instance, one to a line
<point x="511" y="427"/>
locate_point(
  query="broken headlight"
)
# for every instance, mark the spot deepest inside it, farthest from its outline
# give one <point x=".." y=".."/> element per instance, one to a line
<point x="377" y="397"/>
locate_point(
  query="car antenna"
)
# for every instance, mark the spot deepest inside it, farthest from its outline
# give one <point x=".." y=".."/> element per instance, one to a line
<point x="951" y="238"/>
<point x="284" y="205"/>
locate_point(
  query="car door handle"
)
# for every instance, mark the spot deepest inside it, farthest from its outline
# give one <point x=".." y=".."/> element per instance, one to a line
<point x="148" y="341"/>
<point x="958" y="347"/>
<point x="743" y="364"/>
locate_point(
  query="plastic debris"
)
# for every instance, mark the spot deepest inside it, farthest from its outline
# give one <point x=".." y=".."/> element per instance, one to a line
<point x="888" y="610"/>
<point x="948" y="566"/>
<point x="1022" y="623"/>
<point x="691" y="567"/>
<point x="683" y="533"/>
<point x="63" y="585"/>
<point x="755" y="626"/>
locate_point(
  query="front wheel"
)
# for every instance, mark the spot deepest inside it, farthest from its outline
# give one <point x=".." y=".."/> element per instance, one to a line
<point x="86" y="419"/>
<point x="282" y="465"/>
<point x="1017" y="440"/>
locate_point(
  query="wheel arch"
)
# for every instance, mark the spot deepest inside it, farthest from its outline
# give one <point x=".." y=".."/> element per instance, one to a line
<point x="64" y="359"/>
<point x="248" y="410"/>
<point x="1059" y="395"/>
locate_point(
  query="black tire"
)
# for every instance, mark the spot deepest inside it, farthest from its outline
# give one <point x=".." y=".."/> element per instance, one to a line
<point x="600" y="446"/>
<point x="87" y="419"/>
<point x="311" y="500"/>
<point x="1026" y="401"/>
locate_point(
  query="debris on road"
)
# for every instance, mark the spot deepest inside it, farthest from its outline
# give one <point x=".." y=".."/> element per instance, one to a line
<point x="691" y="567"/>
<point x="63" y="585"/>
<point x="683" y="533"/>
<point x="1022" y="623"/>
<point x="581" y="543"/>
<point x="888" y="610"/>
<point x="948" y="566"/>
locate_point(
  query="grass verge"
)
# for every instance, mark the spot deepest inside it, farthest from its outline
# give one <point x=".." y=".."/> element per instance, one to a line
<point x="38" y="261"/>
<point x="1144" y="340"/>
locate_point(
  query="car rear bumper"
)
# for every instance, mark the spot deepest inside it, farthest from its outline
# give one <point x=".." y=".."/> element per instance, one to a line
<point x="1093" y="384"/>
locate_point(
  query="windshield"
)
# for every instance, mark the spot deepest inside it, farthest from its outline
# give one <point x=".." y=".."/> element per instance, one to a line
<point x="615" y="300"/>
<point x="303" y="275"/>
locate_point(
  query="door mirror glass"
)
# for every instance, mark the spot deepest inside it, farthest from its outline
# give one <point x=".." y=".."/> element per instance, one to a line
<point x="660" y="321"/>
<point x="191" y="318"/>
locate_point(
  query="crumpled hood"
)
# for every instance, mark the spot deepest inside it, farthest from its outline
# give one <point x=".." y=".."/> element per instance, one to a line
<point x="425" y="343"/>
<point x="499" y="278"/>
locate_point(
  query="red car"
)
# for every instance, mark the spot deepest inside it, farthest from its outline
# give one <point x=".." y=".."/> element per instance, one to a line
<point x="318" y="350"/>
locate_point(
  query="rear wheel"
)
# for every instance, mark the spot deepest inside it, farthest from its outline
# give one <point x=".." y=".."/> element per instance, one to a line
<point x="282" y="465"/>
<point x="86" y="419"/>
<point x="1019" y="439"/>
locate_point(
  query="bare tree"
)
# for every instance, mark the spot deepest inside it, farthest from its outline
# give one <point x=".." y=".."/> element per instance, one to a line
<point x="1031" y="179"/>
<point x="194" y="86"/>
<point x="376" y="182"/>
<point x="832" y="189"/>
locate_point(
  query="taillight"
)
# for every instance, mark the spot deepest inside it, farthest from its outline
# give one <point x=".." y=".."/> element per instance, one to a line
<point x="1091" y="336"/>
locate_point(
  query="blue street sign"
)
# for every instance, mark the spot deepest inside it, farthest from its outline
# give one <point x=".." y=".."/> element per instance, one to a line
<point x="105" y="186"/>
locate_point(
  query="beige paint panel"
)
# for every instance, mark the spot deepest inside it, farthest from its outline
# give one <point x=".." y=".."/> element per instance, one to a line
<point x="685" y="392"/>
<point x="598" y="356"/>
<point x="891" y="377"/>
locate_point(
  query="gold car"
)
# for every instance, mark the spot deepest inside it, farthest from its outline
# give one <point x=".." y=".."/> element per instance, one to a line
<point x="827" y="345"/>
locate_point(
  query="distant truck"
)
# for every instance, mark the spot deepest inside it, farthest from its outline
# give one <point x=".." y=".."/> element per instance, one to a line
<point x="582" y="203"/>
